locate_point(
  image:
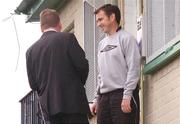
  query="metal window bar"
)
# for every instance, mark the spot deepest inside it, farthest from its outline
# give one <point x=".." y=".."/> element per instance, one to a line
<point x="30" y="111"/>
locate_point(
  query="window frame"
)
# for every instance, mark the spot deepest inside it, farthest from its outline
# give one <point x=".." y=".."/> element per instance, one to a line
<point x="160" y="50"/>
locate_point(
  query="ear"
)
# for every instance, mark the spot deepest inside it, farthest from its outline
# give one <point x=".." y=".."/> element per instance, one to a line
<point x="112" y="17"/>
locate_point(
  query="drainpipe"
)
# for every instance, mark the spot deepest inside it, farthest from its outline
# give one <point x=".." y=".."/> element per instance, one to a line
<point x="142" y="80"/>
<point x="143" y="62"/>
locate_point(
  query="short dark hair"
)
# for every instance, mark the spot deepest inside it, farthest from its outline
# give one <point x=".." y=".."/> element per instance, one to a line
<point x="49" y="18"/>
<point x="109" y="9"/>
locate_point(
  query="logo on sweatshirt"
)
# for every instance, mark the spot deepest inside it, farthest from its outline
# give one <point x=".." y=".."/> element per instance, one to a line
<point x="108" y="48"/>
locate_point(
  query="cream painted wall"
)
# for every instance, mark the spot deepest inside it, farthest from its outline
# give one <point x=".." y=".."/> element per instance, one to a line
<point x="73" y="13"/>
<point x="130" y="13"/>
<point x="162" y="95"/>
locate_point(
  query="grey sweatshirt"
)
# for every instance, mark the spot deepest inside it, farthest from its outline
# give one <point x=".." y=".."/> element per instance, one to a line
<point x="118" y="64"/>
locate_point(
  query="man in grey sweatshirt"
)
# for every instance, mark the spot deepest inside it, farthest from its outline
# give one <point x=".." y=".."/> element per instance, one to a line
<point x="117" y="100"/>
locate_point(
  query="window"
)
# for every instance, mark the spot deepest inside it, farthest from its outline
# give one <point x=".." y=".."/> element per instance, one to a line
<point x="92" y="35"/>
<point x="89" y="48"/>
<point x="162" y="23"/>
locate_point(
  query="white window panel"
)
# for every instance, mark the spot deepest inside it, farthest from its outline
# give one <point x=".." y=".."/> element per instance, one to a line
<point x="169" y="20"/>
<point x="157" y="34"/>
<point x="163" y="27"/>
<point x="177" y="16"/>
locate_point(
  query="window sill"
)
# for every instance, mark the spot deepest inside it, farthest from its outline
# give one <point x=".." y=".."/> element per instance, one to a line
<point x="163" y="59"/>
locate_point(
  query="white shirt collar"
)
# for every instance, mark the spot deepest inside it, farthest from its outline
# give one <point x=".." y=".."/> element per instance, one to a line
<point x="49" y="29"/>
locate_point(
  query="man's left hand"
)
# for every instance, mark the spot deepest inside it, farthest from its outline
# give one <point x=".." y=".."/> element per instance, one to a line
<point x="126" y="105"/>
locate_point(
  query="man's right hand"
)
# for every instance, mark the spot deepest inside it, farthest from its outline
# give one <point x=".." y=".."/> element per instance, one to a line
<point x="93" y="108"/>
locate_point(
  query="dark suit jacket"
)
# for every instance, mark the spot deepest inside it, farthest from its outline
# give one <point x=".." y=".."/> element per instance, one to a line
<point x="58" y="70"/>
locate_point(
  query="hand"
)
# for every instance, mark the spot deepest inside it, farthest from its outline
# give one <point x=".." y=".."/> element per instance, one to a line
<point x="126" y="105"/>
<point x="93" y="108"/>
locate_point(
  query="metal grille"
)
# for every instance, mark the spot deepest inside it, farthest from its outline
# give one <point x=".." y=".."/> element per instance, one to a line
<point x="92" y="35"/>
<point x="89" y="47"/>
<point x="99" y="35"/>
<point x="30" y="110"/>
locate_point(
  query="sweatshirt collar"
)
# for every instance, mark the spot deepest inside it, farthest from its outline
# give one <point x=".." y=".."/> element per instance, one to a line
<point x="118" y="28"/>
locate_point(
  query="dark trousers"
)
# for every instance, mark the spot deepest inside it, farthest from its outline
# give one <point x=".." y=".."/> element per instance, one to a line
<point x="69" y="119"/>
<point x="109" y="108"/>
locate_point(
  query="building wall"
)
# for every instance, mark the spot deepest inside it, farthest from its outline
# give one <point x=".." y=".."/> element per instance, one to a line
<point x="162" y="96"/>
<point x="73" y="13"/>
<point x="161" y="88"/>
<point x="130" y="16"/>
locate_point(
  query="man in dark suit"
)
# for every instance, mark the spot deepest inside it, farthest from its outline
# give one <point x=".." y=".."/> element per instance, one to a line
<point x="57" y="69"/>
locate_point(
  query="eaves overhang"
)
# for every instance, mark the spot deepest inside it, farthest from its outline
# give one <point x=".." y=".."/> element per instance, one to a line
<point x="32" y="8"/>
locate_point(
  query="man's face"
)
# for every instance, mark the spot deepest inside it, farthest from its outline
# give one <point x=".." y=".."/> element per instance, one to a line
<point x="103" y="21"/>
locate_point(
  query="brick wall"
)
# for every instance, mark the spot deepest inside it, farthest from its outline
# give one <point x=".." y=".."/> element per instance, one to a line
<point x="162" y="95"/>
<point x="73" y="13"/>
